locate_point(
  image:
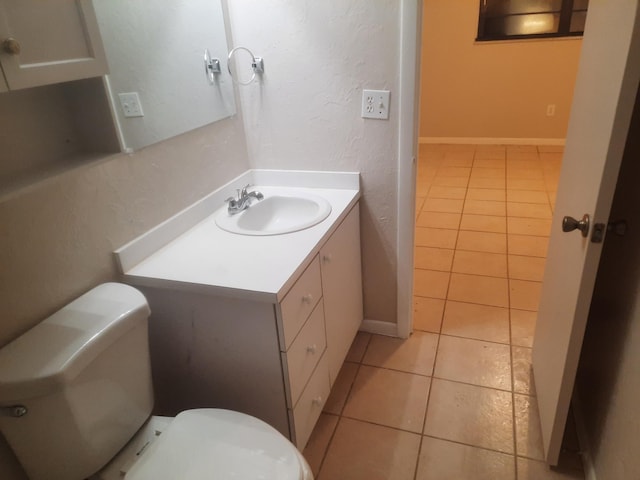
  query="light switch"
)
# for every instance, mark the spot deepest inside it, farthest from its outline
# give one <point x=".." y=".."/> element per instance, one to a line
<point x="375" y="104"/>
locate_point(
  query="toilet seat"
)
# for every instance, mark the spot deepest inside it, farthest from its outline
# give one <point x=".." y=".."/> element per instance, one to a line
<point x="219" y="444"/>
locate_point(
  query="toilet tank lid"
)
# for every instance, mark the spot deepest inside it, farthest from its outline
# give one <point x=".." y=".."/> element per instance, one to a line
<point x="58" y="348"/>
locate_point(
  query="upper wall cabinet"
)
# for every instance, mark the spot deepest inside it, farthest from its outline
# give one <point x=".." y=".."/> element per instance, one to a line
<point x="49" y="42"/>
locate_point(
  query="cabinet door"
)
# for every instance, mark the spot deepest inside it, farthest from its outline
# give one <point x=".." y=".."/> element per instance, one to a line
<point x="342" y="289"/>
<point x="53" y="41"/>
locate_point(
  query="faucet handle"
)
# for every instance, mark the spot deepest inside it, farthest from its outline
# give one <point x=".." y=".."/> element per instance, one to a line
<point x="230" y="200"/>
<point x="243" y="193"/>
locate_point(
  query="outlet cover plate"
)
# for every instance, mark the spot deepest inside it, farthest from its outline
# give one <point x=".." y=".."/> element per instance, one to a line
<point x="130" y="103"/>
<point x="375" y="104"/>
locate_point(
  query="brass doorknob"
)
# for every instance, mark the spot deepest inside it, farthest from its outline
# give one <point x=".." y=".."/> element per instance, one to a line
<point x="11" y="46"/>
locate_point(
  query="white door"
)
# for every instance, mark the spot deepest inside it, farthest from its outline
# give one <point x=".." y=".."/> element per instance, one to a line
<point x="604" y="95"/>
<point x="49" y="42"/>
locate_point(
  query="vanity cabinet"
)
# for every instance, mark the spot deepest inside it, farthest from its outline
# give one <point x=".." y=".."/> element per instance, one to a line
<point x="335" y="274"/>
<point x="341" y="267"/>
<point x="49" y="42"/>
<point x="304" y="359"/>
<point x="276" y="361"/>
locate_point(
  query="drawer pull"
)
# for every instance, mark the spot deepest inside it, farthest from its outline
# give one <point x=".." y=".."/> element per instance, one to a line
<point x="317" y="401"/>
<point x="308" y="298"/>
<point x="312" y="349"/>
<point x="326" y="258"/>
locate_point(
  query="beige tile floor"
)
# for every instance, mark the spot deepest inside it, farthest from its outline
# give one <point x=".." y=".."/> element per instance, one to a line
<point x="455" y="401"/>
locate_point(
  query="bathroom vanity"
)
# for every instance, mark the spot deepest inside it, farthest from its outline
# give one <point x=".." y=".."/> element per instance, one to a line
<point x="255" y="323"/>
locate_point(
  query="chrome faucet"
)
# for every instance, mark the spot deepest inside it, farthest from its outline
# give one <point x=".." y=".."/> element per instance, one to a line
<point x="237" y="205"/>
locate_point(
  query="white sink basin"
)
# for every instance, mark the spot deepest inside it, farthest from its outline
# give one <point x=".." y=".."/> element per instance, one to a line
<point x="276" y="214"/>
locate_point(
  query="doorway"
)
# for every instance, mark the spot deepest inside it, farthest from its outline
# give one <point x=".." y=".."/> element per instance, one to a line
<point x="483" y="220"/>
<point x="474" y="93"/>
<point x="483" y="214"/>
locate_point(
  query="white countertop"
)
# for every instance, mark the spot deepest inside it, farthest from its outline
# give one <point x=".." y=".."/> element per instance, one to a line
<point x="207" y="259"/>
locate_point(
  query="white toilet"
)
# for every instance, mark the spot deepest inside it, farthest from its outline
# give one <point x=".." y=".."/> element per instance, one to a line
<point x="76" y="401"/>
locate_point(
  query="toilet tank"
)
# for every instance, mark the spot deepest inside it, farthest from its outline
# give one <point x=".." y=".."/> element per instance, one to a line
<point x="84" y="377"/>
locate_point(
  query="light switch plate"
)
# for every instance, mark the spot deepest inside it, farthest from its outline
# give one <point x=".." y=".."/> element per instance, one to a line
<point x="130" y="103"/>
<point x="375" y="104"/>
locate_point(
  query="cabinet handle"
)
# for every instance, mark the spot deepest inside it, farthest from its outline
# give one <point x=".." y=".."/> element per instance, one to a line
<point x="312" y="349"/>
<point x="308" y="298"/>
<point x="326" y="258"/>
<point x="11" y="46"/>
<point x="317" y="401"/>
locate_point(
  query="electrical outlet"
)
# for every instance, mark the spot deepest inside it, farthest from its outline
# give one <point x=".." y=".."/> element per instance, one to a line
<point x="551" y="110"/>
<point x="375" y="104"/>
<point x="130" y="103"/>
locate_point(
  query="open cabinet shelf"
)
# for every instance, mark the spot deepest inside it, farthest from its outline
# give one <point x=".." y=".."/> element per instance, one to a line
<point x="47" y="131"/>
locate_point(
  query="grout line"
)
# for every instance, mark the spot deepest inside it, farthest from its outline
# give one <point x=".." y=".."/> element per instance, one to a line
<point x="415" y="473"/>
<point x="482" y="304"/>
<point x="458" y="442"/>
<point x="340" y="416"/>
<point x="435" y="359"/>
<point x="440" y="228"/>
<point x="513" y="406"/>
<point x="389" y="369"/>
<point x="326" y="450"/>
<point x="426" y="408"/>
<point x="476" y="339"/>
<point x="474" y="385"/>
<point x="381" y="425"/>
<point x="474" y="274"/>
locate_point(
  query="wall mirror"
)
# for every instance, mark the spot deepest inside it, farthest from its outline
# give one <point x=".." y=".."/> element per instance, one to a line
<point x="155" y="49"/>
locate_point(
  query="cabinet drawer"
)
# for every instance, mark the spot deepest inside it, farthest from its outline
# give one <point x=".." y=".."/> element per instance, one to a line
<point x="305" y="352"/>
<point x="309" y="407"/>
<point x="298" y="304"/>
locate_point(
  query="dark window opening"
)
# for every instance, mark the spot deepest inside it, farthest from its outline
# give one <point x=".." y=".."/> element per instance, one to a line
<point x="509" y="19"/>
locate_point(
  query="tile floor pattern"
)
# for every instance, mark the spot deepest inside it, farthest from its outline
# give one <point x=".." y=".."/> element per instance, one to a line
<point x="455" y="401"/>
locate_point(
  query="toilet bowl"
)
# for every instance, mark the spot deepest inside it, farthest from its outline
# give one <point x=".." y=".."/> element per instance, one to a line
<point x="76" y="402"/>
<point x="207" y="443"/>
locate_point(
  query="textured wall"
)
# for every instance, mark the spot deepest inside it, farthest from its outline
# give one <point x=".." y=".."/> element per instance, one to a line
<point x="491" y="89"/>
<point x="57" y="238"/>
<point x="305" y="114"/>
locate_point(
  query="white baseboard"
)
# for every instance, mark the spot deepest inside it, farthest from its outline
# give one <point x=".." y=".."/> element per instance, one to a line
<point x="381" y="328"/>
<point x="583" y="439"/>
<point x="492" y="141"/>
